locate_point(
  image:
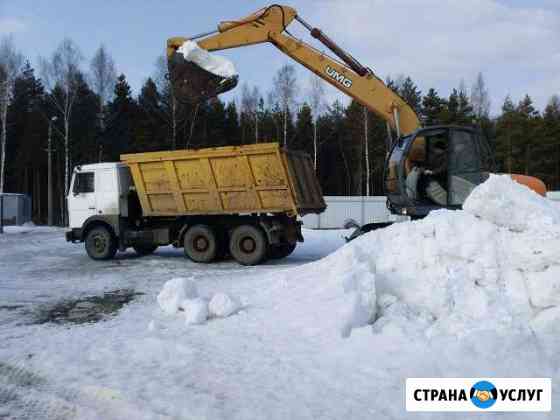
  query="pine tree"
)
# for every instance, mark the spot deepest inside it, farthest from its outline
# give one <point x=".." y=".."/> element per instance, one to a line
<point x="432" y="108"/>
<point x="353" y="146"/>
<point x="231" y="125"/>
<point x="84" y="127"/>
<point x="504" y="145"/>
<point x="304" y="130"/>
<point x="457" y="109"/>
<point x="216" y="123"/>
<point x="150" y="128"/>
<point x="411" y="94"/>
<point x="27" y="171"/>
<point x="551" y="138"/>
<point x="334" y="172"/>
<point x="464" y="109"/>
<point x="122" y="112"/>
<point x="529" y="140"/>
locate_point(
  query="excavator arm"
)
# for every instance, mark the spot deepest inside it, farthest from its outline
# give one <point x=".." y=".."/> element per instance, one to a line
<point x="346" y="73"/>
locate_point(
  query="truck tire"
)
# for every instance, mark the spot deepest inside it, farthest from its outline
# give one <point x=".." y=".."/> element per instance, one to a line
<point x="248" y="245"/>
<point x="144" y="249"/>
<point x="100" y="243"/>
<point x="201" y="244"/>
<point x="277" y="252"/>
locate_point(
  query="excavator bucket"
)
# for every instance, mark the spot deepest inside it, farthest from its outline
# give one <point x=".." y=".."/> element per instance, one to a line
<point x="193" y="84"/>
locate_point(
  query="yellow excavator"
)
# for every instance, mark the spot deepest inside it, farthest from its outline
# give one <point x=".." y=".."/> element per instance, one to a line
<point x="427" y="168"/>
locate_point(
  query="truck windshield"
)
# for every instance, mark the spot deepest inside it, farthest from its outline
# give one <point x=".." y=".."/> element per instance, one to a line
<point x="83" y="183"/>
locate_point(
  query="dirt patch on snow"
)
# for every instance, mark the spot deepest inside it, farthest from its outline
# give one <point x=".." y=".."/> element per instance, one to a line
<point x="87" y="309"/>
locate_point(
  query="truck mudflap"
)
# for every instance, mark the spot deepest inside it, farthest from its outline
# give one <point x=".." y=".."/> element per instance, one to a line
<point x="282" y="231"/>
<point x="74" y="235"/>
<point x="298" y="231"/>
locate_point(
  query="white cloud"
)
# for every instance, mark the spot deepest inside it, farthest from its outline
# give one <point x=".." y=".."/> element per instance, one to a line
<point x="11" y="25"/>
<point x="439" y="42"/>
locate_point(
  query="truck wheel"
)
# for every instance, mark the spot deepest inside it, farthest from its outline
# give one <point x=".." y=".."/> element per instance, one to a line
<point x="281" y="251"/>
<point x="201" y="244"/>
<point x="100" y="243"/>
<point x="248" y="245"/>
<point x="144" y="249"/>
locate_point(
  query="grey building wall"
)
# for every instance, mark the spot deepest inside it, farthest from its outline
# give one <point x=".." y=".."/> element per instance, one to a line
<point x="17" y="209"/>
<point x="363" y="210"/>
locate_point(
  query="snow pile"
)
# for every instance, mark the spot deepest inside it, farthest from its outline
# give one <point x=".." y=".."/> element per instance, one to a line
<point x="196" y="311"/>
<point x="223" y="305"/>
<point x="174" y="294"/>
<point x="494" y="266"/>
<point x="214" y="64"/>
<point x="512" y="205"/>
<point x="181" y="295"/>
<point x="359" y="307"/>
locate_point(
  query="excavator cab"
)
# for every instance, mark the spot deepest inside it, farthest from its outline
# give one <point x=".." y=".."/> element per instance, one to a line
<point x="435" y="168"/>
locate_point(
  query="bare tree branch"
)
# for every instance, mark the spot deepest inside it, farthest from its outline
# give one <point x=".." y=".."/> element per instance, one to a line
<point x="103" y="74"/>
<point x="285" y="89"/>
<point x="60" y="73"/>
<point x="316" y="101"/>
<point x="480" y="98"/>
<point x="10" y="65"/>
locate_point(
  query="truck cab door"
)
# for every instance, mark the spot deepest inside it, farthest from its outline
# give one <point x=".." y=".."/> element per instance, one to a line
<point x="107" y="192"/>
<point x="81" y="198"/>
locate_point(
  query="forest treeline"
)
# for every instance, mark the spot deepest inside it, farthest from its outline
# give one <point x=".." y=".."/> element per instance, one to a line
<point x="94" y="116"/>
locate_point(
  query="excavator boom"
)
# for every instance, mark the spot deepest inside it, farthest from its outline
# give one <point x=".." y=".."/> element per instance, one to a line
<point x="466" y="161"/>
<point x="270" y="25"/>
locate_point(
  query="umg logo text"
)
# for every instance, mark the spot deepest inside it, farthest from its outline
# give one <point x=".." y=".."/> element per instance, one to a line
<point x="340" y="78"/>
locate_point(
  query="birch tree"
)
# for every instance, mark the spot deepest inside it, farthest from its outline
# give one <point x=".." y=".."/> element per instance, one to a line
<point x="10" y="65"/>
<point x="103" y="76"/>
<point x="250" y="99"/>
<point x="174" y="112"/>
<point x="316" y="98"/>
<point x="480" y="98"/>
<point x="285" y="89"/>
<point x="61" y="74"/>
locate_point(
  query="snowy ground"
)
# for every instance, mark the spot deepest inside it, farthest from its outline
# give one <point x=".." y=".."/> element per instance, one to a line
<point x="302" y="346"/>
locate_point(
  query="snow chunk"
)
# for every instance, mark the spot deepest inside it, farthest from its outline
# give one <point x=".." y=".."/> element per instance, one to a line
<point x="174" y="292"/>
<point x="196" y="311"/>
<point x="360" y="307"/>
<point x="544" y="287"/>
<point x="214" y="64"/>
<point x="506" y="203"/>
<point x="223" y="305"/>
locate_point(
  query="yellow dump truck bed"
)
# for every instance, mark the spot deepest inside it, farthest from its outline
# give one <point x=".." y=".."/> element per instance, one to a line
<point x="260" y="178"/>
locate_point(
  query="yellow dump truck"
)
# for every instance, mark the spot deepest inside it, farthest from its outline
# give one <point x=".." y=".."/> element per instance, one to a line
<point x="242" y="201"/>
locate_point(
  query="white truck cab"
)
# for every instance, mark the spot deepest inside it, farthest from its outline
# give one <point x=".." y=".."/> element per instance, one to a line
<point x="98" y="190"/>
<point x="101" y="201"/>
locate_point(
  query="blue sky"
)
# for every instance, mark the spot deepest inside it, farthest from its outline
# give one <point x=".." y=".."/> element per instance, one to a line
<point x="516" y="44"/>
